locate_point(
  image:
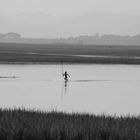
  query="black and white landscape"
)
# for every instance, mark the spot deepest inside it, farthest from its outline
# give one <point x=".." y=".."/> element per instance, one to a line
<point x="69" y="70"/>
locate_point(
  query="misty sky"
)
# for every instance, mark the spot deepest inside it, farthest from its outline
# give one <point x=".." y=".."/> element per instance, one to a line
<point x="69" y="7"/>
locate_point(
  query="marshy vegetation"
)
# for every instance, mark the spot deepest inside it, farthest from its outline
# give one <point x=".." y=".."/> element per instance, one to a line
<point x="21" y="124"/>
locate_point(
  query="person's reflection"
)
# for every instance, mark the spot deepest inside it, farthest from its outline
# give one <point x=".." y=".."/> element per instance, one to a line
<point x="66" y="82"/>
<point x="65" y="85"/>
<point x="64" y="88"/>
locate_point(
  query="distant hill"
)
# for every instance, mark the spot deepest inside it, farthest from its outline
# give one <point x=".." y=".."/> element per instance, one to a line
<point x="48" y="26"/>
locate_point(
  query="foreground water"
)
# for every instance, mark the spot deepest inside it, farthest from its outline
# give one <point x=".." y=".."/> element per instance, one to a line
<point x="95" y="89"/>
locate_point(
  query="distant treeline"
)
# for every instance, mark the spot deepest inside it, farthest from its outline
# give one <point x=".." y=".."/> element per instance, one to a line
<point x="10" y="35"/>
<point x="83" y="39"/>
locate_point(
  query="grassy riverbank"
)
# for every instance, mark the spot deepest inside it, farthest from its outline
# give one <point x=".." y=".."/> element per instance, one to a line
<point x="55" y="53"/>
<point x="20" y="124"/>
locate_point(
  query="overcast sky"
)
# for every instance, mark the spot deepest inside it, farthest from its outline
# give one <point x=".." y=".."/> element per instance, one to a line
<point x="69" y="7"/>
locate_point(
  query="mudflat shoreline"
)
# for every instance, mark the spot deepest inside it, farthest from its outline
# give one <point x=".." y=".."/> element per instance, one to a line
<point x="11" y="53"/>
<point x="49" y="59"/>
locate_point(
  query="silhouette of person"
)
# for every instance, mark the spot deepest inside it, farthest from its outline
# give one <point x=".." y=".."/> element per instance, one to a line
<point x="66" y="75"/>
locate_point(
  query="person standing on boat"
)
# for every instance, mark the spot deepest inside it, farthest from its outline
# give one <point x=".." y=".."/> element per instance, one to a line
<point x="66" y="75"/>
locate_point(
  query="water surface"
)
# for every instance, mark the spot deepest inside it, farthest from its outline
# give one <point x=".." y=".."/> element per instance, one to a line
<point x="95" y="89"/>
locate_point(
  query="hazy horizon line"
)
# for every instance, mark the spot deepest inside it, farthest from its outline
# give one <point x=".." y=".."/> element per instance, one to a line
<point x="75" y="15"/>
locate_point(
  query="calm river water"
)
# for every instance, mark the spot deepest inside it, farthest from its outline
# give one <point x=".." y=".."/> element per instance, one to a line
<point x="110" y="89"/>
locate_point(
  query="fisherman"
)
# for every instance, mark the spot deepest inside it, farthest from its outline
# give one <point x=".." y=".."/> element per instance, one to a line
<point x="66" y="75"/>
